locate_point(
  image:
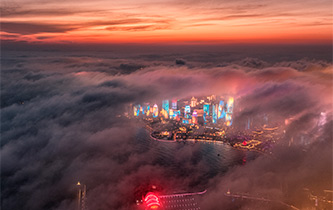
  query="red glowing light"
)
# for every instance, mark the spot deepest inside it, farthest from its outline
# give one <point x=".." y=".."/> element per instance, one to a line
<point x="152" y="201"/>
<point x="244" y="143"/>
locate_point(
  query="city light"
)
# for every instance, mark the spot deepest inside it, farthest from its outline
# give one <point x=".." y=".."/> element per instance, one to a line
<point x="209" y="120"/>
<point x="155" y="110"/>
<point x="152" y="201"/>
<point x="211" y="109"/>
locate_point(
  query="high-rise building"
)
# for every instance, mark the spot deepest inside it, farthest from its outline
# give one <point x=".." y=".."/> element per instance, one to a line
<point x="136" y="110"/>
<point x="214" y="113"/>
<point x="187" y="112"/>
<point x="142" y="109"/>
<point x="206" y="111"/>
<point x="148" y="111"/>
<point x="195" y="117"/>
<point x="171" y="114"/>
<point x="228" y="120"/>
<point x="176" y="114"/>
<point x="155" y="110"/>
<point x="191" y="112"/>
<point x="174" y="104"/>
<point x="194" y="102"/>
<point x="221" y="112"/>
<point x="230" y="107"/>
<point x="165" y="108"/>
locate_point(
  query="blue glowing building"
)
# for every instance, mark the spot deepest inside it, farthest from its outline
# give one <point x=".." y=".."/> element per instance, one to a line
<point x="214" y="113"/>
<point x="165" y="106"/>
<point x="221" y="110"/>
<point x="174" y="104"/>
<point x="187" y="112"/>
<point x="205" y="112"/>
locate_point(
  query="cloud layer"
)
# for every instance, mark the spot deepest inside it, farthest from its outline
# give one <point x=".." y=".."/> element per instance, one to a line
<point x="60" y="124"/>
<point x="172" y="21"/>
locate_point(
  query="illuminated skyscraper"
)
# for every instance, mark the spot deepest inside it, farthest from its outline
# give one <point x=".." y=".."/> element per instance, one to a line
<point x="142" y="110"/>
<point x="206" y="111"/>
<point x="174" y="104"/>
<point x="136" y="110"/>
<point x="155" y="110"/>
<point x="176" y="114"/>
<point x="148" y="111"/>
<point x="230" y="107"/>
<point x="171" y="113"/>
<point x="187" y="112"/>
<point x="214" y="113"/>
<point x="221" y="112"/>
<point x="228" y="119"/>
<point x="194" y="117"/>
<point x="165" y="108"/>
<point x="194" y="102"/>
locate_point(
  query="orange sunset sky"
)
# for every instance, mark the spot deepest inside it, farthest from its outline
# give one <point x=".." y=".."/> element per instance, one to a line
<point x="163" y="21"/>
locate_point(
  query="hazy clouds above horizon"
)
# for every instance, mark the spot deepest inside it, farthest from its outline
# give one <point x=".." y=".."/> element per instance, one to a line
<point x="59" y="124"/>
<point x="102" y="21"/>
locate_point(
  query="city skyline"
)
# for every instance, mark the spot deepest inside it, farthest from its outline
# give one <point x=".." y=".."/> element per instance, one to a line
<point x="209" y="109"/>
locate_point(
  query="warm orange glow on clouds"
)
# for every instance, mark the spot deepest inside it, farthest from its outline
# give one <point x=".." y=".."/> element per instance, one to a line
<point x="102" y="21"/>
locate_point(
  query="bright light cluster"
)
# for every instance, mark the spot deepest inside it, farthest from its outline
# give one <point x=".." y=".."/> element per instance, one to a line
<point x="152" y="201"/>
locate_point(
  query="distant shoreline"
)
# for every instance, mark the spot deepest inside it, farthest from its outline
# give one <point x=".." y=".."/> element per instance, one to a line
<point x="209" y="141"/>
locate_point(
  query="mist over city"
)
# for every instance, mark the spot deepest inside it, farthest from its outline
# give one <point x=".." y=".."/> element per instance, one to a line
<point x="170" y="105"/>
<point x="65" y="119"/>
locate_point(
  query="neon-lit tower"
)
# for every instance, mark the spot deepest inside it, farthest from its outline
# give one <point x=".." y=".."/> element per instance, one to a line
<point x="230" y="106"/>
<point x="221" y="112"/>
<point x="214" y="113"/>
<point x="155" y="110"/>
<point x="187" y="112"/>
<point x="206" y="111"/>
<point x="165" y="108"/>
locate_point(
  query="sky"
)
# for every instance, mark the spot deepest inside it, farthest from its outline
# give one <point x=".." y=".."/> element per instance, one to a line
<point x="163" y="21"/>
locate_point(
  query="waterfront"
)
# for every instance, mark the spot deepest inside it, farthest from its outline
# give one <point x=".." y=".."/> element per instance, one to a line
<point x="211" y="158"/>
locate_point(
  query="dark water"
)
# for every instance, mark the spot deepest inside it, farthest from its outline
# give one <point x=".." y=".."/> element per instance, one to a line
<point x="202" y="161"/>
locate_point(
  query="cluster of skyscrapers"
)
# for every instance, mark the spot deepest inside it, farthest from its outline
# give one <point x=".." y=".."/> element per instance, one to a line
<point x="200" y="110"/>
